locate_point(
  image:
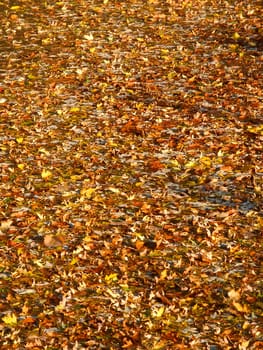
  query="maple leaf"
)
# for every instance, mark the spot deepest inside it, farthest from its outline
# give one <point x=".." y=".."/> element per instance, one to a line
<point x="46" y="174"/>
<point x="10" y="319"/>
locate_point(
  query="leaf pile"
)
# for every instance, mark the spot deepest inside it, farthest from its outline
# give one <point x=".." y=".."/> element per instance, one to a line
<point x="131" y="174"/>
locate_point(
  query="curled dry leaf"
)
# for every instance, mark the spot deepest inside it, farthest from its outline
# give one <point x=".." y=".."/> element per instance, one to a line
<point x="131" y="174"/>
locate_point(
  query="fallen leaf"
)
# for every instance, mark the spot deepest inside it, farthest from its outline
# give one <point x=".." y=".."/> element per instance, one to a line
<point x="113" y="277"/>
<point x="87" y="193"/>
<point x="10" y="320"/>
<point x="19" y="139"/>
<point x="45" y="174"/>
<point x="240" y="307"/>
<point x="52" y="241"/>
<point x="5" y="225"/>
<point x="234" y="295"/>
<point x="158" y="312"/>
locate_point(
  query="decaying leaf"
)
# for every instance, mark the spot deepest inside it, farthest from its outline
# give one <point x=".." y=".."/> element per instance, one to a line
<point x="131" y="174"/>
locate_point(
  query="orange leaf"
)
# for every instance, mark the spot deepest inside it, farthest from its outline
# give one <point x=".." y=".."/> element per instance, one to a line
<point x="156" y="165"/>
<point x="139" y="244"/>
<point x="28" y="320"/>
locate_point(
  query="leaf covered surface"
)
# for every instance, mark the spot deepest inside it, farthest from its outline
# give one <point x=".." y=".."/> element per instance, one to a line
<point x="131" y="174"/>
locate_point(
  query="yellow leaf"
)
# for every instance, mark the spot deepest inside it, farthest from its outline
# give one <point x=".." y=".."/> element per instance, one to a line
<point x="20" y="251"/>
<point x="163" y="275"/>
<point x="92" y="49"/>
<point x="97" y="198"/>
<point x="171" y="75"/>
<point x="190" y="164"/>
<point x="74" y="109"/>
<point x="32" y="76"/>
<point x="10" y="319"/>
<point x="240" y="308"/>
<point x="75" y="177"/>
<point x="125" y="287"/>
<point x="97" y="9"/>
<point x="112" y="143"/>
<point x="44" y="151"/>
<point x="140" y="105"/>
<point x="192" y="79"/>
<point x="206" y="161"/>
<point x="175" y="164"/>
<point x="164" y="51"/>
<point x="236" y="36"/>
<point x="161" y="345"/>
<point x="87" y="193"/>
<point x="195" y="307"/>
<point x="256" y="129"/>
<point x="46" y="174"/>
<point x="21" y="166"/>
<point x="233" y="47"/>
<point x="87" y="238"/>
<point x="158" y="313"/>
<point x="46" y="41"/>
<point x="19" y="139"/>
<point x="74" y="261"/>
<point x="15" y="8"/>
<point x="113" y="277"/>
<point x="246" y="325"/>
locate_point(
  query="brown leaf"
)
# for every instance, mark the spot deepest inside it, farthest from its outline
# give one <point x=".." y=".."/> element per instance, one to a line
<point x="52" y="241"/>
